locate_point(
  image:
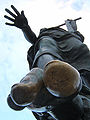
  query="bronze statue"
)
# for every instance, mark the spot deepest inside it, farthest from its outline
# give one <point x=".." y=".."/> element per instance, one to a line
<point x="57" y="86"/>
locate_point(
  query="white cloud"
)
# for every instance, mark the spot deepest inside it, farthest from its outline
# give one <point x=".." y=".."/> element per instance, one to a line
<point x="78" y="4"/>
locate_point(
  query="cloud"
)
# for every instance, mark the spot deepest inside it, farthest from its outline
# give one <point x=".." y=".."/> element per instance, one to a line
<point x="78" y="4"/>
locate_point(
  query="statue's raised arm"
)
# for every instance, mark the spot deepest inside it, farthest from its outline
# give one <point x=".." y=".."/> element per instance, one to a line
<point x="20" y="21"/>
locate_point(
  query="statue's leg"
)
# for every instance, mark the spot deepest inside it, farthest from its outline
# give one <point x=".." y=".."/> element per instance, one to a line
<point x="44" y="59"/>
<point x="62" y="81"/>
<point x="24" y="93"/>
<point x="60" y="78"/>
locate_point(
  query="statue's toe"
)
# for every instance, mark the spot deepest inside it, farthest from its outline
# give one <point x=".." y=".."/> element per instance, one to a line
<point x="61" y="79"/>
<point x="25" y="92"/>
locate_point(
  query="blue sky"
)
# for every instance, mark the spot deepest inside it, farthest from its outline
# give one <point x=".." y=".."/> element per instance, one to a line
<point x="13" y="46"/>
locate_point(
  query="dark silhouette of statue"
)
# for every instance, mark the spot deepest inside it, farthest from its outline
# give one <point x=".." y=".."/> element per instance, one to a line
<point x="58" y="84"/>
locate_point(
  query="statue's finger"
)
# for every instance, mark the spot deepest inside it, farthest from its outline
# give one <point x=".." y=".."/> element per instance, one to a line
<point x="10" y="13"/>
<point x="16" y="11"/>
<point x="11" y="24"/>
<point x="11" y="19"/>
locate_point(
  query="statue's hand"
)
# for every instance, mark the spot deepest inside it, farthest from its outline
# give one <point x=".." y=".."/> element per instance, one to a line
<point x="19" y="20"/>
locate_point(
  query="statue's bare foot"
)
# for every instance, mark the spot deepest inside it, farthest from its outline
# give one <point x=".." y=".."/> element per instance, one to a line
<point x="61" y="79"/>
<point x="25" y="92"/>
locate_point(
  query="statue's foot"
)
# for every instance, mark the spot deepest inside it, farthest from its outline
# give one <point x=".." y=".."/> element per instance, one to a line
<point x="25" y="92"/>
<point x="61" y="79"/>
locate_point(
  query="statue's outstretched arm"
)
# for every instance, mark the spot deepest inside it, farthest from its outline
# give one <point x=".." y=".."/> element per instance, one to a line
<point x="20" y="21"/>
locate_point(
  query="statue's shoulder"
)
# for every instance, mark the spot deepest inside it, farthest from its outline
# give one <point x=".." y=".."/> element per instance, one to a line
<point x="51" y="30"/>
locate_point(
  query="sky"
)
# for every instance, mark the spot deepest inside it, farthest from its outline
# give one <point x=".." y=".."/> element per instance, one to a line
<point x="14" y="47"/>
